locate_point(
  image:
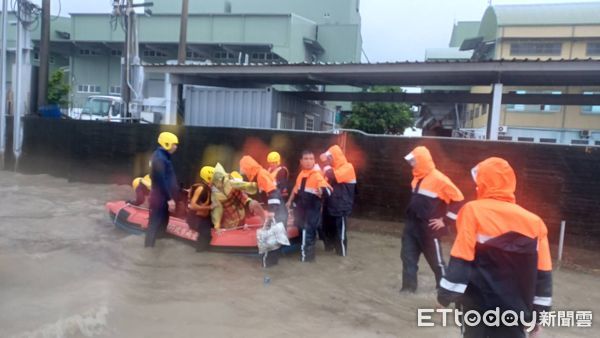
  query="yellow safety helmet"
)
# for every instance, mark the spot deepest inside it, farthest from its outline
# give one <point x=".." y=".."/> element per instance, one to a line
<point x="167" y="140"/>
<point x="207" y="173"/>
<point x="274" y="158"/>
<point x="143" y="180"/>
<point x="136" y="183"/>
<point x="147" y="181"/>
<point x="236" y="175"/>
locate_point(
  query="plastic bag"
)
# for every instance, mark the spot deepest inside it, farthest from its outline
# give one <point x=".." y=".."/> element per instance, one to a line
<point x="271" y="236"/>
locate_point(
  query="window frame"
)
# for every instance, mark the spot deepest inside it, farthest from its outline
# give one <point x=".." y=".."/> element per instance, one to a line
<point x="535" y="48"/>
<point x="311" y="118"/>
<point x="590" y="110"/>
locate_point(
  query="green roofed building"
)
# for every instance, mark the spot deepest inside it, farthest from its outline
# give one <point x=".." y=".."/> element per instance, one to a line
<point x="89" y="46"/>
<point x="563" y="31"/>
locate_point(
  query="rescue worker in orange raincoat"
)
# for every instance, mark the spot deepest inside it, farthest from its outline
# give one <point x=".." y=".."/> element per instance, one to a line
<point x="310" y="188"/>
<point x="275" y="204"/>
<point x="341" y="176"/>
<point x="433" y="206"/>
<point x="501" y="258"/>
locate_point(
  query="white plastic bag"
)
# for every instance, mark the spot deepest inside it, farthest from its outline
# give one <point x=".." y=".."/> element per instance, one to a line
<point x="271" y="236"/>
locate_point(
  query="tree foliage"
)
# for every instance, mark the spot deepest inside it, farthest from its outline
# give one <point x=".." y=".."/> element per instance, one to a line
<point x="380" y="117"/>
<point x="58" y="90"/>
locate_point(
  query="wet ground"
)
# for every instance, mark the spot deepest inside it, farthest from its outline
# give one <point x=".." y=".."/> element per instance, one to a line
<point x="66" y="271"/>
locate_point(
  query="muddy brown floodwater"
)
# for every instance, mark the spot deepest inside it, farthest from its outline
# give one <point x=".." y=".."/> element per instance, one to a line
<point x="66" y="271"/>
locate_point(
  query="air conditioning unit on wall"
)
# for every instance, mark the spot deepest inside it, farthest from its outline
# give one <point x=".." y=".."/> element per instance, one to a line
<point x="503" y="129"/>
<point x="584" y="134"/>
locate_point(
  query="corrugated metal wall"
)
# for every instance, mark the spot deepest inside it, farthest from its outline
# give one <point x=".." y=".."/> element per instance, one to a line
<point x="247" y="108"/>
<point x="289" y="104"/>
<point x="227" y="107"/>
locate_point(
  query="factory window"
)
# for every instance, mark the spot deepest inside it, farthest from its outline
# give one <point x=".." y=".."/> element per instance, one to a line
<point x="547" y="140"/>
<point x="223" y="55"/>
<point x="590" y="109"/>
<point x="535" y="48"/>
<point x="86" y="88"/>
<point x="504" y="138"/>
<point x="115" y="90"/>
<point x="260" y="56"/>
<point x="286" y="121"/>
<point x="525" y="139"/>
<point x="36" y="57"/>
<point x="116" y="52"/>
<point x="154" y="53"/>
<point x="581" y="142"/>
<point x="88" y="52"/>
<point x="547" y="108"/>
<point x="309" y="122"/>
<point x="593" y="48"/>
<point x="192" y="55"/>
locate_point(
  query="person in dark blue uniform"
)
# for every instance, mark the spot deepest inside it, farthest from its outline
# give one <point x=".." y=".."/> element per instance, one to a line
<point x="164" y="191"/>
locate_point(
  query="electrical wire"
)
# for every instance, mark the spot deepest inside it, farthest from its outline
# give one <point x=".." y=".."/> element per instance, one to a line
<point x="21" y="7"/>
<point x="59" y="11"/>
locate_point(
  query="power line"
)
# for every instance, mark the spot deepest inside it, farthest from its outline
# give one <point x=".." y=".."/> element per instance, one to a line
<point x="365" y="54"/>
<point x="59" y="11"/>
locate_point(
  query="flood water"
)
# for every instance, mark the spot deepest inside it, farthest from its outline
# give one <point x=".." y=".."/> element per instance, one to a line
<point x="66" y="271"/>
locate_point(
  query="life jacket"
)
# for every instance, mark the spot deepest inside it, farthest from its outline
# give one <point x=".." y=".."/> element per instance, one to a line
<point x="309" y="185"/>
<point x="280" y="176"/>
<point x="203" y="199"/>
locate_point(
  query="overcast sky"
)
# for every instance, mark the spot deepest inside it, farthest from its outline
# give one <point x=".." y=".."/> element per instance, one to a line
<point x="392" y="30"/>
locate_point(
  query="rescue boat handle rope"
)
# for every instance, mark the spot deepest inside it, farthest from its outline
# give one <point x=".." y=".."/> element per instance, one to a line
<point x="244" y="227"/>
<point x="118" y="212"/>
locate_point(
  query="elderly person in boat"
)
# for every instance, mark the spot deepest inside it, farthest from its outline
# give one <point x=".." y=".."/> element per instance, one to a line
<point x="230" y="199"/>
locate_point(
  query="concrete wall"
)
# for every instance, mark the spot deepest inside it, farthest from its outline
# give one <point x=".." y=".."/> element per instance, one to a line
<point x="343" y="43"/>
<point x="102" y="70"/>
<point x="320" y="11"/>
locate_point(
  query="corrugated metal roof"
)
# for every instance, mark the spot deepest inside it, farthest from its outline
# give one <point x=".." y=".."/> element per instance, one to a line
<point x="548" y="14"/>
<point x="277" y="64"/>
<point x="438" y="73"/>
<point x="463" y="30"/>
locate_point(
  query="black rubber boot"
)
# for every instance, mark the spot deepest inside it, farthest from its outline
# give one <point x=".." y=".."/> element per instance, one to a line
<point x="271" y="258"/>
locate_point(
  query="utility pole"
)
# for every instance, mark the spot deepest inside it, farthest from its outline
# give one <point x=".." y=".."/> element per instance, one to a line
<point x="182" y="52"/>
<point x="3" y="84"/>
<point x="22" y="76"/>
<point x="44" y="55"/>
<point x="131" y="68"/>
<point x="125" y="11"/>
<point x="183" y="32"/>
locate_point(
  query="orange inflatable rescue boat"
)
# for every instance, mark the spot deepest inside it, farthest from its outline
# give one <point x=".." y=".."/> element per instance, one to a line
<point x="134" y="220"/>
